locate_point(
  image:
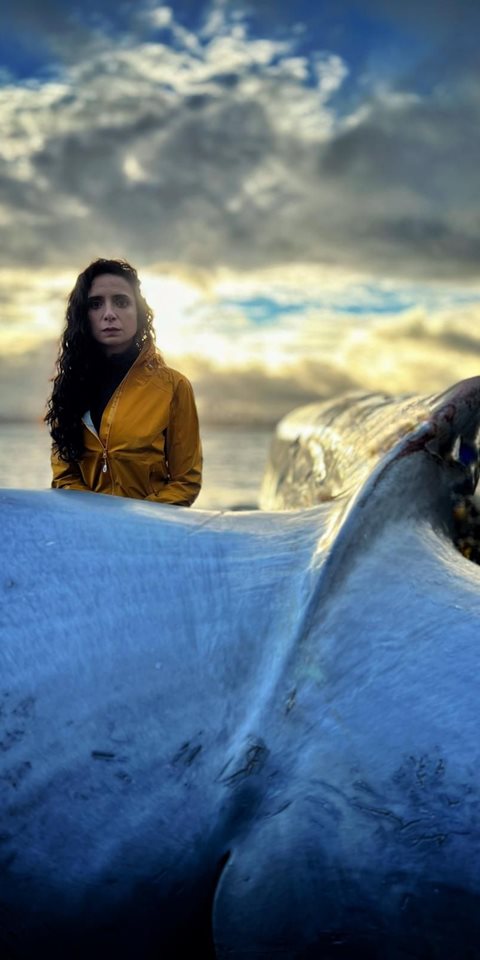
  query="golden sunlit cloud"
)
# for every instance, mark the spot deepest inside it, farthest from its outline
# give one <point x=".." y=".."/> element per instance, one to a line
<point x="33" y="305"/>
<point x="270" y="338"/>
<point x="172" y="300"/>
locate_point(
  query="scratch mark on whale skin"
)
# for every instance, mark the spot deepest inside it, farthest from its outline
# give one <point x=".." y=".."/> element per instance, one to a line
<point x="187" y="753"/>
<point x="250" y="764"/>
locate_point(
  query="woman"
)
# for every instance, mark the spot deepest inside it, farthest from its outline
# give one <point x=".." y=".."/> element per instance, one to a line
<point x="122" y="422"/>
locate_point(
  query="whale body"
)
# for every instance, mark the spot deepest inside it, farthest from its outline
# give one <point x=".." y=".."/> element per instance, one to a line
<point x="251" y="734"/>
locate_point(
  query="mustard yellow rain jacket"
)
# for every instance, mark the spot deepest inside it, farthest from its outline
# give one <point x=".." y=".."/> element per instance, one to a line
<point x="148" y="446"/>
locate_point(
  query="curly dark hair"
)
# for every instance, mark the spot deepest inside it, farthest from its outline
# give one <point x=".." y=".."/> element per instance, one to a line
<point x="79" y="357"/>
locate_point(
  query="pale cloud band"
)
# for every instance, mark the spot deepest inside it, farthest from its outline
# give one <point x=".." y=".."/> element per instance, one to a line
<point x="257" y="346"/>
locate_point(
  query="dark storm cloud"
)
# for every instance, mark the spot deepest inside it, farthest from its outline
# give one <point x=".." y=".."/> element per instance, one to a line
<point x="254" y="396"/>
<point x="462" y="336"/>
<point x="193" y="156"/>
<point x="410" y="176"/>
<point x="226" y="157"/>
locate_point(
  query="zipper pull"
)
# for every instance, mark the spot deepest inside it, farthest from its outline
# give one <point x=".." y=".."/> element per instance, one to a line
<point x="105" y="465"/>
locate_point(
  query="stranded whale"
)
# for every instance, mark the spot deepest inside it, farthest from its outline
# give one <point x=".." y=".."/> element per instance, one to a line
<point x="246" y="735"/>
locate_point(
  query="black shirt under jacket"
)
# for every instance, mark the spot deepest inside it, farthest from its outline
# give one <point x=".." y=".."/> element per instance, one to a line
<point x="107" y="377"/>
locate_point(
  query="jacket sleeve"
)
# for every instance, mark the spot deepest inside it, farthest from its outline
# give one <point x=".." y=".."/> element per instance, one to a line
<point x="66" y="476"/>
<point x="183" y="450"/>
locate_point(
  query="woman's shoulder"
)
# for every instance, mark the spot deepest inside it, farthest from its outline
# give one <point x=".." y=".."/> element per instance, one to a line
<point x="154" y="361"/>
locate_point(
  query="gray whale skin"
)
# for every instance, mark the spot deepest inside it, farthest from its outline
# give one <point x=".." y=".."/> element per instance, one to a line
<point x="245" y="735"/>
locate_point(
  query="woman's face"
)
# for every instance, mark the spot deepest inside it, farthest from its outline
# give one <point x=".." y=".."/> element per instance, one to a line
<point x="112" y="313"/>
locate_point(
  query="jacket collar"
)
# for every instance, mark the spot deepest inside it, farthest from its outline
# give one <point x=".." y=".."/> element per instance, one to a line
<point x="149" y="356"/>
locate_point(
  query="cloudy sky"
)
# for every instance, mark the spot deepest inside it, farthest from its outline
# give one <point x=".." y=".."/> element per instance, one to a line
<point x="296" y="182"/>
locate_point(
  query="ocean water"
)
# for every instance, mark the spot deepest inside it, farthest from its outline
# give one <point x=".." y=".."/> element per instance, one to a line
<point x="234" y="463"/>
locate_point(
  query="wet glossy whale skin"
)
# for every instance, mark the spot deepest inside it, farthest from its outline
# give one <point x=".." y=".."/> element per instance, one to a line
<point x="245" y="735"/>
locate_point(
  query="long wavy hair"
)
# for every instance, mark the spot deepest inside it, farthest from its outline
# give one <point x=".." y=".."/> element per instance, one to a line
<point x="79" y="357"/>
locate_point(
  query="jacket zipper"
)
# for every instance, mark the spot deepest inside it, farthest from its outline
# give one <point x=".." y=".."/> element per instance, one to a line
<point x="115" y="398"/>
<point x="97" y="435"/>
<point x="104" y="446"/>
